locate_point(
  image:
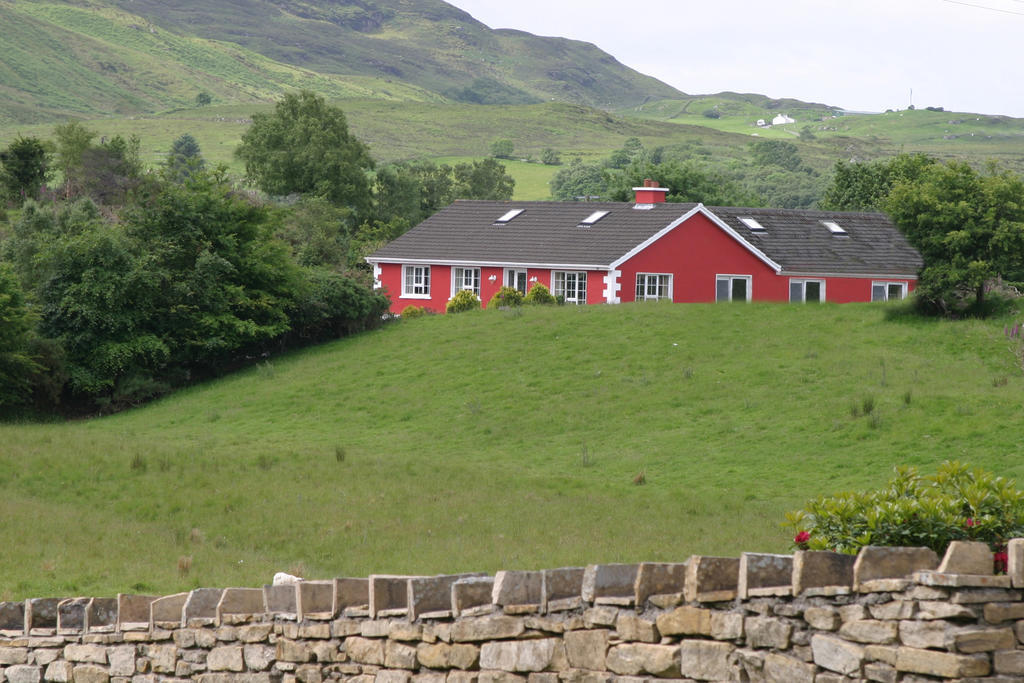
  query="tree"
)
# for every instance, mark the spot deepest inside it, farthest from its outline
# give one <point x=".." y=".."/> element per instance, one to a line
<point x="968" y="226"/>
<point x="203" y="99"/>
<point x="484" y="179"/>
<point x="24" y="167"/>
<point x="72" y="140"/>
<point x="502" y="149"/>
<point x="108" y="173"/>
<point x="550" y="157"/>
<point x="686" y="182"/>
<point x="578" y="180"/>
<point x="776" y="153"/>
<point x="305" y="147"/>
<point x="17" y="366"/>
<point x="865" y="186"/>
<point x="184" y="158"/>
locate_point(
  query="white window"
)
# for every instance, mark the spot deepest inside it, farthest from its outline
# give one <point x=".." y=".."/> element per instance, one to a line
<point x="732" y="287"/>
<point x="653" y="286"/>
<point x="888" y="291"/>
<point x="752" y="224"/>
<point x="592" y="218"/>
<point x="801" y="291"/>
<point x="416" y="282"/>
<point x="466" y="278"/>
<point x="516" y="279"/>
<point x="570" y="285"/>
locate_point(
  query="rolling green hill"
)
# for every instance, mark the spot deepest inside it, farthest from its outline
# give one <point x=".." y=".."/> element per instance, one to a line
<point x="498" y="439"/>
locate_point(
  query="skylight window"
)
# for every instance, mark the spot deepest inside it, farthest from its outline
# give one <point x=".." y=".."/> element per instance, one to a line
<point x="753" y="224"/>
<point x="508" y="216"/>
<point x="592" y="218"/>
<point x="834" y="228"/>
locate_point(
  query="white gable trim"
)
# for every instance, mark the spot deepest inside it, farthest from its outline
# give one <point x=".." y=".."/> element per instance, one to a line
<point x="700" y="208"/>
<point x="487" y="264"/>
<point x="612" y="286"/>
<point x="376" y="276"/>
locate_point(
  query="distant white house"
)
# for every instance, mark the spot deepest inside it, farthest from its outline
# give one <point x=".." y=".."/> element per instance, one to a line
<point x="782" y="119"/>
<point x="761" y="123"/>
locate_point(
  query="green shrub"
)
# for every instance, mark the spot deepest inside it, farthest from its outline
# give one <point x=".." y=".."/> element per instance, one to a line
<point x="413" y="312"/>
<point x="464" y="300"/>
<point x="506" y="296"/>
<point x="539" y="294"/>
<point x="956" y="503"/>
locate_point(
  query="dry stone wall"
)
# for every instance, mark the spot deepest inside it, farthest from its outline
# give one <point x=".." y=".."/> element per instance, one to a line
<point x="888" y="615"/>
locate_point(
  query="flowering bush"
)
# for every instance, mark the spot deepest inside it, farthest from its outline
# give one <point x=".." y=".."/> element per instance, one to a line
<point x="413" y="311"/>
<point x="956" y="503"/>
<point x="539" y="294"/>
<point x="505" y="297"/>
<point x="464" y="300"/>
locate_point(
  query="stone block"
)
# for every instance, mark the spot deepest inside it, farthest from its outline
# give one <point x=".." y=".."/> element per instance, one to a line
<point x="255" y="633"/>
<point x="93" y="654"/>
<point x="13" y="655"/>
<point x="240" y="601"/>
<point x="1015" y="562"/>
<point x="894" y="609"/>
<point x="167" y="609"/>
<point x="586" y="649"/>
<point x="101" y="614"/>
<point x="764" y="574"/>
<point x="881" y="673"/>
<point x="351" y="593"/>
<point x="44" y="657"/>
<point x="870" y="631"/>
<point x="59" y="672"/>
<point x="711" y="579"/>
<point x="23" y="673"/>
<point x="768" y="632"/>
<point x="122" y="660"/>
<point x="287" y="650"/>
<point x="430" y="678"/>
<point x="518" y="588"/>
<point x="685" y="620"/>
<point x="519" y="655"/>
<point x="283" y="599"/>
<point x="389" y="595"/>
<point x="942" y="664"/>
<point x="161" y="658"/>
<point x="386" y="676"/>
<point x="316" y="600"/>
<point x="884" y="562"/>
<point x="602" y="615"/>
<point x="613" y="584"/>
<point x="563" y="588"/>
<point x="972" y="597"/>
<point x="970" y="640"/>
<point x="90" y="673"/>
<point x="779" y="668"/>
<point x="12" y="616"/>
<point x="632" y="628"/>
<point x="42" y="612"/>
<point x="818" y="569"/>
<point x="1009" y="662"/>
<point x="584" y="676"/>
<point x="365" y="650"/>
<point x="726" y="625"/>
<point x="445" y="656"/>
<point x="926" y="634"/>
<point x="71" y="615"/>
<point x="226" y="658"/>
<point x="658" y="578"/>
<point x="487" y="628"/>
<point x="967" y="557"/>
<point x="401" y="630"/>
<point x="399" y="656"/>
<point x="997" y="612"/>
<point x="499" y="677"/>
<point x="133" y="610"/>
<point x="469" y="594"/>
<point x="432" y="596"/>
<point x="707" y="660"/>
<point x="461" y="677"/>
<point x="926" y="578"/>
<point x="201" y="604"/>
<point x="836" y="654"/>
<point x="936" y="609"/>
<point x="633" y="659"/>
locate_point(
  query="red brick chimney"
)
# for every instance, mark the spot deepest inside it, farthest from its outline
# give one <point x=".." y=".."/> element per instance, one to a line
<point x="649" y="194"/>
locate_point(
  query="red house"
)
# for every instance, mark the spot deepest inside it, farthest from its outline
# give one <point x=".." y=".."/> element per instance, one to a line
<point x="612" y="252"/>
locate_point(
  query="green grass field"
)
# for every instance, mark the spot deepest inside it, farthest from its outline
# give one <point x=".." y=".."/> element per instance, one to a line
<point x="496" y="440"/>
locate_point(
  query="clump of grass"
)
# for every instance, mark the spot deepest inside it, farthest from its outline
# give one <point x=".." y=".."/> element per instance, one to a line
<point x="687" y="373"/>
<point x="264" y="462"/>
<point x="867" y="405"/>
<point x="1000" y="381"/>
<point x="138" y="463"/>
<point x="907" y="397"/>
<point x="876" y="420"/>
<point x="641" y="478"/>
<point x="184" y="565"/>
<point x="586" y="459"/>
<point x="266" y="369"/>
<point x="196" y="535"/>
<point x="339" y="453"/>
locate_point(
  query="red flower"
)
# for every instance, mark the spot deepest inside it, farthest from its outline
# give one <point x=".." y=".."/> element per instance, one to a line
<point x="970" y="522"/>
<point x="802" y="537"/>
<point x="999" y="561"/>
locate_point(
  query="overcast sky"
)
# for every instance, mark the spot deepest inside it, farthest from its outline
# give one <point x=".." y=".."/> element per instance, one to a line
<point x="861" y="55"/>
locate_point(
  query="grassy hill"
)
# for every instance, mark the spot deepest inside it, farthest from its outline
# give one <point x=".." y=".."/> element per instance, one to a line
<point x="505" y="440"/>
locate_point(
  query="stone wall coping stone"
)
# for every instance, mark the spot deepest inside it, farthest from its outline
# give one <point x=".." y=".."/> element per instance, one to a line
<point x="929" y="578"/>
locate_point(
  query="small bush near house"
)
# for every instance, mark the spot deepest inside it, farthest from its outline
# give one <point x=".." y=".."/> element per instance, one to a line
<point x="413" y="312"/>
<point x="955" y="503"/>
<point x="464" y="300"/>
<point x="506" y="297"/>
<point x="539" y="294"/>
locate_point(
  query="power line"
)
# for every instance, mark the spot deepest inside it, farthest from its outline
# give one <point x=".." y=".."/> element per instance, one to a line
<point x="990" y="9"/>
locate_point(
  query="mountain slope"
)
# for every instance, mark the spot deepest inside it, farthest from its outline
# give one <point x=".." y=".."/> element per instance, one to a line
<point x="82" y="57"/>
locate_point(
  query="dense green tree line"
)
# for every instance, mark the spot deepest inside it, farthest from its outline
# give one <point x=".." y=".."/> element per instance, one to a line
<point x="118" y="284"/>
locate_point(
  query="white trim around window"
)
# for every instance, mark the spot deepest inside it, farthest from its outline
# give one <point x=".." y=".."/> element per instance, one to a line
<point x="466" y="278"/>
<point x="888" y="291"/>
<point x="516" y="279"/>
<point x="802" y="290"/>
<point x="571" y="285"/>
<point x="653" y="287"/>
<point x="733" y="287"/>
<point x="415" y="282"/>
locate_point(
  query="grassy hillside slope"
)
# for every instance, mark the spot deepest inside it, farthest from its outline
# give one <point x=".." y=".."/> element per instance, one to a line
<point x="504" y="440"/>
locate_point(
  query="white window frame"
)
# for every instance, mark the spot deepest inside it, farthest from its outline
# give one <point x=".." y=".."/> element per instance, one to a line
<point x="465" y="278"/>
<point x="885" y="285"/>
<point x="560" y="289"/>
<point x="421" y="283"/>
<point x="802" y="281"/>
<point x="641" y="291"/>
<point x="731" y="277"/>
<point x="511" y="276"/>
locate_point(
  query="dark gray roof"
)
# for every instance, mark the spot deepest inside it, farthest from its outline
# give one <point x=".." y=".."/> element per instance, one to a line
<point x="548" y="233"/>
